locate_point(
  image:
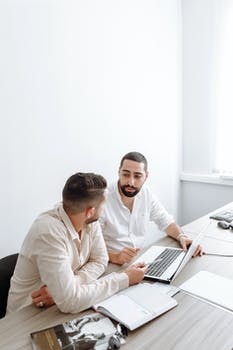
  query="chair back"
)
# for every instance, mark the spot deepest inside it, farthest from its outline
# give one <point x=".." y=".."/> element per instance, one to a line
<point x="7" y="267"/>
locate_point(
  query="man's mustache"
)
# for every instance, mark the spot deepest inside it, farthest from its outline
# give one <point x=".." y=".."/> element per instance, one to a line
<point x="132" y="187"/>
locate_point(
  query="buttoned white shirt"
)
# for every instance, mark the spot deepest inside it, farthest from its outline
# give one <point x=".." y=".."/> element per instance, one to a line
<point x="52" y="254"/>
<point x="122" y="228"/>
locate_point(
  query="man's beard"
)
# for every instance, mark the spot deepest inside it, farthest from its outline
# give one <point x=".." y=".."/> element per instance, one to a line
<point x="129" y="193"/>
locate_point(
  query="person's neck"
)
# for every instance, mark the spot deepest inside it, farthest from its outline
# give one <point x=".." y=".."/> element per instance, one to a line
<point x="77" y="222"/>
<point x="127" y="201"/>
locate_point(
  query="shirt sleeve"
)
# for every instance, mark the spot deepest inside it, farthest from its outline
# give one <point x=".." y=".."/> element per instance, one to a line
<point x="69" y="291"/>
<point x="159" y="215"/>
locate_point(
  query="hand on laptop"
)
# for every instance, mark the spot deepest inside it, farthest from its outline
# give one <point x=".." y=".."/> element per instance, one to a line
<point x="185" y="243"/>
<point x="42" y="297"/>
<point x="126" y="255"/>
<point x="176" y="232"/>
<point x="136" y="273"/>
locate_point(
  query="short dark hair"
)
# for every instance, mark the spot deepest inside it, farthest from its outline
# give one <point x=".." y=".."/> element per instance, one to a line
<point x="82" y="191"/>
<point x="136" y="157"/>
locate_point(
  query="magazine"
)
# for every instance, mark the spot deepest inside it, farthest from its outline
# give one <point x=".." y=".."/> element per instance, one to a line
<point x="93" y="331"/>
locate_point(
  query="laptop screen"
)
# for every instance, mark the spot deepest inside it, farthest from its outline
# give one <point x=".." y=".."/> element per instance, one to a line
<point x="165" y="263"/>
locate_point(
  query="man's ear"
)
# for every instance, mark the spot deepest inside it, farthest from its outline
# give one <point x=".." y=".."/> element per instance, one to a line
<point x="147" y="174"/>
<point x="90" y="212"/>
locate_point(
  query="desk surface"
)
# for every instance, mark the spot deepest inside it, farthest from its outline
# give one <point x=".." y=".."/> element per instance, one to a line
<point x="193" y="324"/>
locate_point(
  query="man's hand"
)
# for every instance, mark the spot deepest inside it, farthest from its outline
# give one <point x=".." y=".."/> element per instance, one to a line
<point x="42" y="297"/>
<point x="185" y="243"/>
<point x="175" y="231"/>
<point x="126" y="255"/>
<point x="136" y="273"/>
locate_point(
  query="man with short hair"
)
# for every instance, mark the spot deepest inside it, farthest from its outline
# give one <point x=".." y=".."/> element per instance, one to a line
<point x="64" y="253"/>
<point x="128" y="210"/>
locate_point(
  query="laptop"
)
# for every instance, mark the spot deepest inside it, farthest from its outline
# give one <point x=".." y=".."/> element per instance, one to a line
<point x="165" y="263"/>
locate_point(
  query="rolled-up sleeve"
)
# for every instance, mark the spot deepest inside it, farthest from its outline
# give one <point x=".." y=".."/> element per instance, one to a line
<point x="159" y="215"/>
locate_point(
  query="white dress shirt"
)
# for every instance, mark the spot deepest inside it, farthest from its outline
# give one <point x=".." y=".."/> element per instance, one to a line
<point x="52" y="254"/>
<point x="122" y="228"/>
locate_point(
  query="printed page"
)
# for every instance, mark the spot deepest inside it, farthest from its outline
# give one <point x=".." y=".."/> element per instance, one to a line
<point x="90" y="331"/>
<point x="211" y="287"/>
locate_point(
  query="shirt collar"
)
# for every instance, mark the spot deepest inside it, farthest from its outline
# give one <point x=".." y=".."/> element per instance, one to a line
<point x="65" y="218"/>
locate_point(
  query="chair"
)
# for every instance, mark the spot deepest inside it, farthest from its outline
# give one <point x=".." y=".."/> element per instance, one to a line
<point x="7" y="266"/>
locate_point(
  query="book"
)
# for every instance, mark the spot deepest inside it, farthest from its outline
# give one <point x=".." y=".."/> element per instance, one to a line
<point x="136" y="305"/>
<point x="92" y="331"/>
<point x="211" y="287"/>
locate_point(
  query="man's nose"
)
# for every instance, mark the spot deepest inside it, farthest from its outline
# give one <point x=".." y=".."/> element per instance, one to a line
<point x="131" y="181"/>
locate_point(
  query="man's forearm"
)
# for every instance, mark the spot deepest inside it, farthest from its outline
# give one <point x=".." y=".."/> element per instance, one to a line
<point x="90" y="271"/>
<point x="173" y="230"/>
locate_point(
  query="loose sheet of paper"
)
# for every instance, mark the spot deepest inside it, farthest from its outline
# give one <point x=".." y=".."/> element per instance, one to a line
<point x="211" y="287"/>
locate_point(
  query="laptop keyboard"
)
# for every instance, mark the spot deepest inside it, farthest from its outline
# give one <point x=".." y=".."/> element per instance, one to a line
<point x="162" y="262"/>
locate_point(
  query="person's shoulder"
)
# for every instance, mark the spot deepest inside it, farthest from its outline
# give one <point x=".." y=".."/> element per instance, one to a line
<point x="48" y="222"/>
<point x="112" y="188"/>
<point x="47" y="217"/>
<point x="112" y="191"/>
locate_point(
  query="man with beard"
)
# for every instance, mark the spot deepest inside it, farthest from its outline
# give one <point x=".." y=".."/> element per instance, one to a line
<point x="130" y="206"/>
<point x="64" y="253"/>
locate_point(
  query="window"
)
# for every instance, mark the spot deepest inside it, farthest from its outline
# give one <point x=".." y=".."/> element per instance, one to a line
<point x="224" y="87"/>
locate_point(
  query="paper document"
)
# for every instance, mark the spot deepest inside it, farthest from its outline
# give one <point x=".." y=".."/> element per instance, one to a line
<point x="211" y="287"/>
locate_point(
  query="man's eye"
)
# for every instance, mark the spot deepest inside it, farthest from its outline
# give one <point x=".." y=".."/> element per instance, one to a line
<point x="137" y="176"/>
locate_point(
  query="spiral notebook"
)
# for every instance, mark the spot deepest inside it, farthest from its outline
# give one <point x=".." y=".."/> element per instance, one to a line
<point x="136" y="305"/>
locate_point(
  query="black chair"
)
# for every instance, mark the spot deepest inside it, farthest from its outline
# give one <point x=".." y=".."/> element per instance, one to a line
<point x="7" y="267"/>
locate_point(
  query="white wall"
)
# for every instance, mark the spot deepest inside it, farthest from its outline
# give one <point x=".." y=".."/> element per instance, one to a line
<point x="82" y="83"/>
<point x="199" y="199"/>
<point x="199" y="35"/>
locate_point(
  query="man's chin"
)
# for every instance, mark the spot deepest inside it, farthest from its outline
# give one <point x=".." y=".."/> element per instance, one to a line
<point x="130" y="194"/>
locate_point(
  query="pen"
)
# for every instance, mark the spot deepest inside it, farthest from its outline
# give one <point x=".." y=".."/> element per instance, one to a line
<point x="133" y="243"/>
